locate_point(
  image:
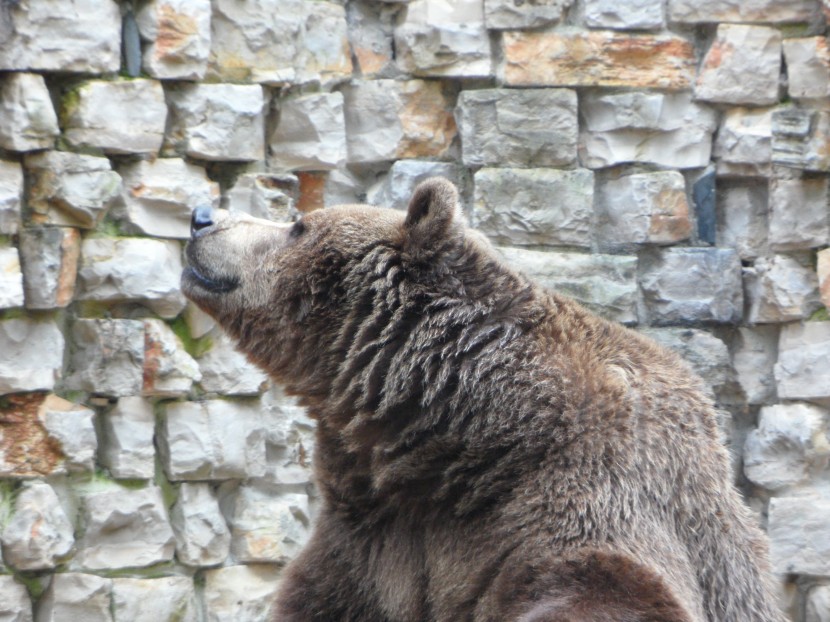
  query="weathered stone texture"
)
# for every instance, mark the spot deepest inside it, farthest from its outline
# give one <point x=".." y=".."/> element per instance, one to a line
<point x="11" y="278"/>
<point x="509" y="14"/>
<point x="107" y="357"/>
<point x="165" y="599"/>
<point x="396" y="188"/>
<point x="169" y="371"/>
<point x="268" y="527"/>
<point x="802" y="372"/>
<point x="801" y="138"/>
<point x="240" y="592"/>
<point x="31" y="355"/>
<point x="742" y="209"/>
<point x="371" y="26"/>
<point x="762" y="11"/>
<point x="744" y="143"/>
<point x="127" y="448"/>
<point x="606" y="284"/>
<point x="535" y="206"/>
<point x="70" y="189"/>
<point x="15" y="604"/>
<point x="800" y="535"/>
<point x="598" y="58"/>
<point x="27" y="118"/>
<point x="667" y="129"/>
<point x="754" y="352"/>
<point x="226" y="371"/>
<point x="818" y="604"/>
<point x="11" y="194"/>
<point x="808" y="67"/>
<point x="310" y="134"/>
<point x="72" y="427"/>
<point x="202" y="537"/>
<point x="289" y="440"/>
<point x="160" y="195"/>
<point x="631" y="15"/>
<point x="685" y="285"/>
<point x="264" y="195"/>
<point x="389" y="120"/>
<point x="178" y="38"/>
<point x="501" y="127"/>
<point x="218" y="121"/>
<point x="49" y="258"/>
<point x="779" y="289"/>
<point x="799" y="214"/>
<point x="823" y="272"/>
<point x="76" y="596"/>
<point x="742" y="66"/>
<point x="644" y="208"/>
<point x="61" y="35"/>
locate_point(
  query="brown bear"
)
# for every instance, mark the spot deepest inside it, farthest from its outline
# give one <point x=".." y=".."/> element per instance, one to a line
<point x="487" y="450"/>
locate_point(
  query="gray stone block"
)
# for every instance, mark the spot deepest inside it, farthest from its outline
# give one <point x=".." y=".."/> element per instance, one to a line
<point x="49" y="257"/>
<point x="631" y="15"/>
<point x="164" y="599"/>
<point x="178" y="38"/>
<point x="107" y="357"/>
<point x="744" y="144"/>
<point x="31" y="355"/>
<point x="11" y="196"/>
<point x="15" y="604"/>
<point x="202" y="537"/>
<point x="509" y="14"/>
<point x="76" y="596"/>
<point x="800" y="138"/>
<point x="127" y="447"/>
<point x="310" y="134"/>
<point x="754" y="352"/>
<point x="169" y="371"/>
<point x="11" y="278"/>
<point x="802" y="372"/>
<point x="780" y="289"/>
<point x="760" y="11"/>
<point x="396" y="188"/>
<point x="742" y="216"/>
<point x="241" y="592"/>
<point x="799" y="217"/>
<point x="27" y="118"/>
<point x="800" y="535"/>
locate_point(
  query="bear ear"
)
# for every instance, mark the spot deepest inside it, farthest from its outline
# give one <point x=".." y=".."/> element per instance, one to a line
<point x="432" y="213"/>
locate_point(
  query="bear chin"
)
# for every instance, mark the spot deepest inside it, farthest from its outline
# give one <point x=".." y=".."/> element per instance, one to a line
<point x="194" y="280"/>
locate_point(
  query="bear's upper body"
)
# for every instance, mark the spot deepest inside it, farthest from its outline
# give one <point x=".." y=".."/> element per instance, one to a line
<point x="487" y="450"/>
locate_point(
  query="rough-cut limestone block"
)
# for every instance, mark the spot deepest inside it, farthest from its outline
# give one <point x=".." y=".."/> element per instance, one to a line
<point x="124" y="528"/>
<point x="762" y="11"/>
<point x="264" y="195"/>
<point x="802" y="372"/>
<point x="127" y="447"/>
<point x="11" y="196"/>
<point x="779" y="289"/>
<point x="165" y="599"/>
<point x="744" y="143"/>
<point x="340" y="187"/>
<point x="389" y="120"/>
<point x="606" y="284"/>
<point x="801" y="138"/>
<point x="278" y="42"/>
<point x="823" y="271"/>
<point x="509" y="14"/>
<point x="808" y="67"/>
<point x="169" y="371"/>
<point x="107" y="357"/>
<point x="799" y="217"/>
<point x="690" y="285"/>
<point x="817" y="608"/>
<point x="202" y="537"/>
<point x="118" y="117"/>
<point x="754" y="352"/>
<point x="72" y="427"/>
<point x="742" y="218"/>
<point x="15" y="604"/>
<point x="226" y="371"/>
<point x="289" y="439"/>
<point x="241" y="592"/>
<point x="742" y="66"/>
<point x="644" y="208"/>
<point x="160" y="195"/>
<point x="133" y="270"/>
<point x="789" y="445"/>
<point x="438" y="38"/>
<point x="218" y="121"/>
<point x="598" y="58"/>
<point x="530" y="207"/>
<point x="631" y="15"/>
<point x="310" y="134"/>
<point x="503" y="127"/>
<point x="31" y="355"/>
<point x="11" y="278"/>
<point x="49" y="257"/>
<point x="707" y="355"/>
<point x="214" y="439"/>
<point x="27" y="118"/>
<point x="799" y="535"/>
<point x="267" y="526"/>
<point x="371" y="26"/>
<point x="61" y="35"/>
<point x="76" y="596"/>
<point x="70" y="189"/>
<point x="178" y="36"/>
<point x="396" y="187"/>
<point x="38" y="534"/>
<point x="667" y="129"/>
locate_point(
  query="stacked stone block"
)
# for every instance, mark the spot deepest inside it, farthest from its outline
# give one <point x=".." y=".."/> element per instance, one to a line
<point x="664" y="162"/>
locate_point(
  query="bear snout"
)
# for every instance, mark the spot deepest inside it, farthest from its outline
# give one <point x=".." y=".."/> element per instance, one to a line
<point x="200" y="218"/>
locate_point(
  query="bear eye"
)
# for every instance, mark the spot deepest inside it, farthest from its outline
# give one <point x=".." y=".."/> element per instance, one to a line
<point x="297" y="230"/>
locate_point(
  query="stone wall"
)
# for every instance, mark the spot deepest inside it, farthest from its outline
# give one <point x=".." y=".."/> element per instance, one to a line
<point x="664" y="161"/>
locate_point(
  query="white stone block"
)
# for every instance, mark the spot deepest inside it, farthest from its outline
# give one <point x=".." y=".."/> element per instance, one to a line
<point x="160" y="195"/>
<point x="789" y="445"/>
<point x="532" y="207"/>
<point x="818" y="604"/>
<point x="754" y="352"/>
<point x="509" y="14"/>
<point x="802" y="372"/>
<point x="61" y="35"/>
<point x="115" y="270"/>
<point x="227" y="371"/>
<point x="779" y="289"/>
<point x="169" y="371"/>
<point x="267" y="526"/>
<point x="107" y="357"/>
<point x="823" y="272"/>
<point x="202" y="537"/>
<point x="38" y="535"/>
<point x="15" y="604"/>
<point x="310" y="134"/>
<point x="744" y="143"/>
<point x="49" y="257"/>
<point x="27" y="117"/>
<point x="742" y="217"/>
<point x="241" y="593"/>
<point x="11" y="278"/>
<point x="76" y="596"/>
<point x="370" y="29"/>
<point x="264" y="195"/>
<point x="70" y="189"/>
<point x="165" y="599"/>
<point x="127" y="448"/>
<point x="219" y="121"/>
<point x="667" y="129"/>
<point x="630" y="15"/>
<point x="11" y="196"/>
<point x="799" y="535"/>
<point x="178" y="37"/>
<point x="800" y="138"/>
<point x="396" y="188"/>
<point x="290" y="439"/>
<point x="31" y="355"/>
<point x="799" y="218"/>
<point x="72" y="426"/>
<point x="124" y="529"/>
<point x="126" y="116"/>
<point x="214" y="439"/>
<point x="808" y="67"/>
<point x="761" y="11"/>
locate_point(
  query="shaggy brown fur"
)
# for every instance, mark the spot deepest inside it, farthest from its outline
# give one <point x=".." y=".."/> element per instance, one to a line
<point x="486" y="450"/>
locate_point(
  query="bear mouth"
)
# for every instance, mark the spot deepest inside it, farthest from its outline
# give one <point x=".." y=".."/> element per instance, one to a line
<point x="215" y="285"/>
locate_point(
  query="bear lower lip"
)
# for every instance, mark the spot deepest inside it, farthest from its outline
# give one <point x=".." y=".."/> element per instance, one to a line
<point x="213" y="285"/>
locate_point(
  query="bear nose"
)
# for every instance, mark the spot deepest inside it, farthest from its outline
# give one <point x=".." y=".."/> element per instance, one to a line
<point x="200" y="218"/>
